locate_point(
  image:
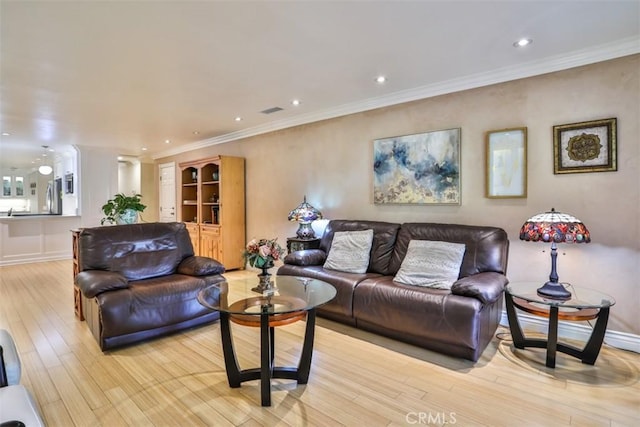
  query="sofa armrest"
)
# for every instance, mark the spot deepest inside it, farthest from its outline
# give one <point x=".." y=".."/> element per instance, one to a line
<point x="486" y="287"/>
<point x="200" y="266"/>
<point x="306" y="257"/>
<point x="94" y="282"/>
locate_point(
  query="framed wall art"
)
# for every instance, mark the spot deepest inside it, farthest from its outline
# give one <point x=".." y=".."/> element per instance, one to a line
<point x="585" y="147"/>
<point x="506" y="163"/>
<point x="418" y="169"/>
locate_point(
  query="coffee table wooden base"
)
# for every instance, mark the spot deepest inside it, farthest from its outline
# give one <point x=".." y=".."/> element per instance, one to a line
<point x="587" y="355"/>
<point x="267" y="370"/>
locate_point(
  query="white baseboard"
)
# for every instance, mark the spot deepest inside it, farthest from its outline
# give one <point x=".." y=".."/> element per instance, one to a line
<point x="31" y="258"/>
<point x="576" y="331"/>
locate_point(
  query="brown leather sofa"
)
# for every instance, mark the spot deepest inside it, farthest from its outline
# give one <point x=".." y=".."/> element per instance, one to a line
<point x="459" y="322"/>
<point x="141" y="281"/>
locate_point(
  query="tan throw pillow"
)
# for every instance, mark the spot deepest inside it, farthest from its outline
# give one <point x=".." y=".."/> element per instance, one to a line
<point x="431" y="264"/>
<point x="350" y="251"/>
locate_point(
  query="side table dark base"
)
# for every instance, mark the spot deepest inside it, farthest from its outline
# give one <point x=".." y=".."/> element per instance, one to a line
<point x="587" y="355"/>
<point x="267" y="370"/>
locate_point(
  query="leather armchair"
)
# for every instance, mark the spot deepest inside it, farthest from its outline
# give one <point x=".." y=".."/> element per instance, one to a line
<point x="141" y="281"/>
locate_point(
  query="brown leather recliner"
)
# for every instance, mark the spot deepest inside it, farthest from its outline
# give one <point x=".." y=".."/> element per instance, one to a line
<point x="459" y="322"/>
<point x="141" y="281"/>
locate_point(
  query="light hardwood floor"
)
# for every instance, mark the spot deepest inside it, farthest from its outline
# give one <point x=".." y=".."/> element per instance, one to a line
<point x="357" y="379"/>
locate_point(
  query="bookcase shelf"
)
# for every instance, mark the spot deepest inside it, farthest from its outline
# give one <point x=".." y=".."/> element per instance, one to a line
<point x="213" y="205"/>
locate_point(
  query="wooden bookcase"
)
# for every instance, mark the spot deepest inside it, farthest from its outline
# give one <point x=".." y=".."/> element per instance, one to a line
<point x="212" y="204"/>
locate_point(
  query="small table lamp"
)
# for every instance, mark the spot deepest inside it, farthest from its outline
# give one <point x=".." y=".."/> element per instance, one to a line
<point x="554" y="227"/>
<point x="305" y="214"/>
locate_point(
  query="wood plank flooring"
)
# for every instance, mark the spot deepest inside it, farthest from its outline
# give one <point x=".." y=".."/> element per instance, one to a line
<point x="357" y="378"/>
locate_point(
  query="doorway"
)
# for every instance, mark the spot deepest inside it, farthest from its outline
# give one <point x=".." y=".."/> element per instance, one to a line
<point x="167" y="192"/>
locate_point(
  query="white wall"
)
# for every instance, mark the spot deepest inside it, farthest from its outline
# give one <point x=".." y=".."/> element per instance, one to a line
<point x="129" y="176"/>
<point x="331" y="162"/>
<point x="98" y="182"/>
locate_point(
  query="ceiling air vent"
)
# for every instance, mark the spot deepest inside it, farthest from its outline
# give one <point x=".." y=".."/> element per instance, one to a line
<point x="271" y="110"/>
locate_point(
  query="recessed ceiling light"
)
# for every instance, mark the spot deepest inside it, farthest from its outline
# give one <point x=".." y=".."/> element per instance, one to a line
<point x="237" y="119"/>
<point x="5" y="134"/>
<point x="295" y="102"/>
<point x="144" y="148"/>
<point x="522" y="43"/>
<point x="167" y="141"/>
<point x="195" y="132"/>
<point x="381" y="79"/>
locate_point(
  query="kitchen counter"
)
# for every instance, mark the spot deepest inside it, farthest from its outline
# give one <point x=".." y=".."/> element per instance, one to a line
<point x="36" y="237"/>
<point x="31" y="215"/>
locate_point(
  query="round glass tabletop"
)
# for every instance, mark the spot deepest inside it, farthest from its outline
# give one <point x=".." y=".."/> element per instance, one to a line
<point x="580" y="297"/>
<point x="290" y="294"/>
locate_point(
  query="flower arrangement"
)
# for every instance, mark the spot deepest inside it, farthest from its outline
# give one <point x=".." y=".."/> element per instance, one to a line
<point x="262" y="253"/>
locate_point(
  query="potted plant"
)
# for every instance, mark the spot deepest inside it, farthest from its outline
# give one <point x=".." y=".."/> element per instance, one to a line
<point x="122" y="209"/>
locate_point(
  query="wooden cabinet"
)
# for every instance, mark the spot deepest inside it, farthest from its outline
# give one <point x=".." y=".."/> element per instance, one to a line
<point x="77" y="295"/>
<point x="210" y="244"/>
<point x="194" y="232"/>
<point x="212" y="204"/>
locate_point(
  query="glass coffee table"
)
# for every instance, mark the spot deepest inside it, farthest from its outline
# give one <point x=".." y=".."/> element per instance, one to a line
<point x="293" y="299"/>
<point x="585" y="304"/>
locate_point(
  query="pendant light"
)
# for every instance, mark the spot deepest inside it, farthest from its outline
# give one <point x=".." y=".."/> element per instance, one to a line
<point x="44" y="168"/>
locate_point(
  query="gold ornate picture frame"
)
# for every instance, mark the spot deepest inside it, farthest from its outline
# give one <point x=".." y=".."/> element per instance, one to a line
<point x="585" y="147"/>
<point x="506" y="163"/>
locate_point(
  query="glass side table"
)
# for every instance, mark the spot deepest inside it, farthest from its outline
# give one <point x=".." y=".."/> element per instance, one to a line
<point x="585" y="304"/>
<point x="293" y="299"/>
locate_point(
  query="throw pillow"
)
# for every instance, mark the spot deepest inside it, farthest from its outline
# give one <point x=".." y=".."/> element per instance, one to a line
<point x="350" y="251"/>
<point x="431" y="264"/>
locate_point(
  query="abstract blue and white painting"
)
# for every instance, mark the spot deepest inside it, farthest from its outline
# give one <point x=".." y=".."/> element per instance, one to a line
<point x="420" y="168"/>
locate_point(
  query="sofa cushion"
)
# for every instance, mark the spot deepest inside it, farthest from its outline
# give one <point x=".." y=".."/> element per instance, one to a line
<point x="345" y="283"/>
<point x="200" y="266"/>
<point x="137" y="251"/>
<point x="432" y="264"/>
<point x="384" y="239"/>
<point x="350" y="251"/>
<point x="307" y="257"/>
<point x="486" y="287"/>
<point x="487" y="248"/>
<point x="416" y="311"/>
<point x="94" y="282"/>
<point x="151" y="303"/>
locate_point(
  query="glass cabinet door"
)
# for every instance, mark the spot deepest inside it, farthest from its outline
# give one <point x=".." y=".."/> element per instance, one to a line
<point x="19" y="186"/>
<point x="6" y="186"/>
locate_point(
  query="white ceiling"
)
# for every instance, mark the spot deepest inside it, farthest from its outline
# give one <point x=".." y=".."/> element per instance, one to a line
<point x="132" y="74"/>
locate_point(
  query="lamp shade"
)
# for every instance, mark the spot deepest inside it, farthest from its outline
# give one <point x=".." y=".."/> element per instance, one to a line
<point x="556" y="227"/>
<point x="304" y="214"/>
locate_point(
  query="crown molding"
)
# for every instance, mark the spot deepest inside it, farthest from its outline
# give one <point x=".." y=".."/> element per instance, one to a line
<point x="578" y="58"/>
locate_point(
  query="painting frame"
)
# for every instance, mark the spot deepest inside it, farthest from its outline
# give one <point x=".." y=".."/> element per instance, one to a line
<point x="586" y="147"/>
<point x="418" y="169"/>
<point x="506" y="163"/>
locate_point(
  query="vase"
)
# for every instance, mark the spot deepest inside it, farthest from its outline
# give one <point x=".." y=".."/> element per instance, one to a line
<point x="265" y="284"/>
<point x="129" y="216"/>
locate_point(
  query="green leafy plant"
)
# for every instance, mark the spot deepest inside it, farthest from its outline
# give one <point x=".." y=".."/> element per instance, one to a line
<point x="118" y="205"/>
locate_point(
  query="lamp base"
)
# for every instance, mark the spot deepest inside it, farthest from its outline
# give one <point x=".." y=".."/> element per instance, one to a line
<point x="305" y="231"/>
<point x="554" y="290"/>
